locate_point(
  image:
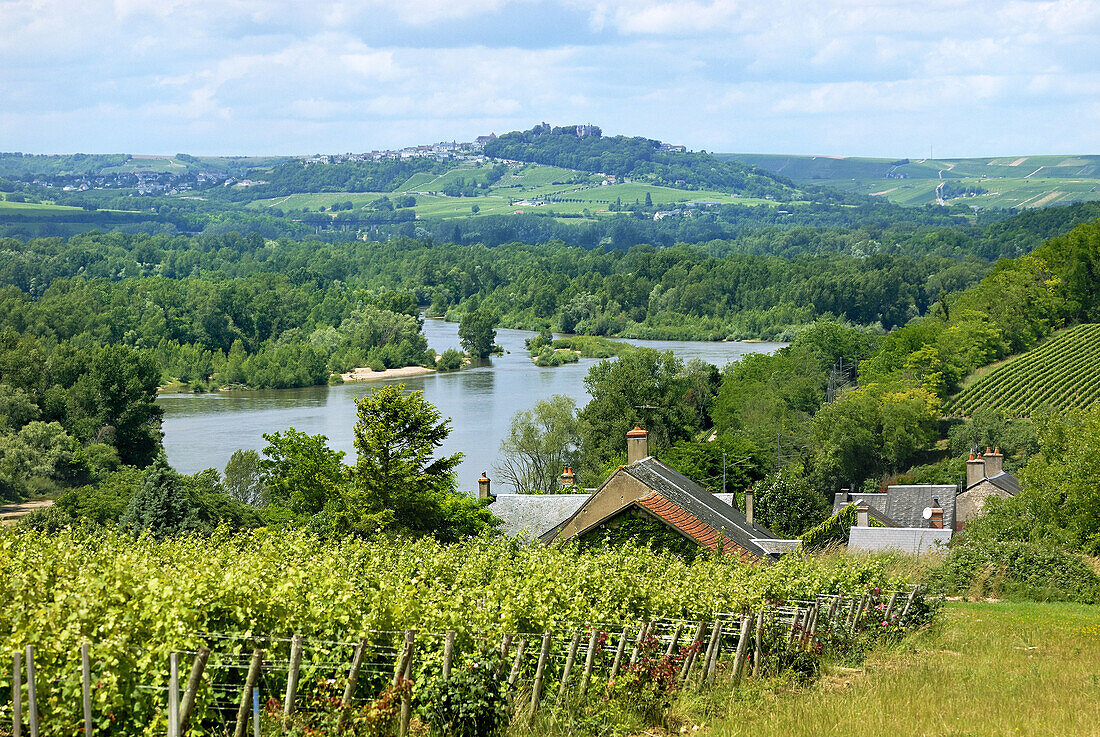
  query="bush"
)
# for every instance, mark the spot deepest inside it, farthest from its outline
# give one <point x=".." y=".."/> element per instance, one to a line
<point x="981" y="567"/>
<point x="649" y="686"/>
<point x="450" y="360"/>
<point x="471" y="703"/>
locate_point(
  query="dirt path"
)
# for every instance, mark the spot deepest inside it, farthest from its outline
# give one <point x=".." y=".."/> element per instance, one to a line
<point x="12" y="513"/>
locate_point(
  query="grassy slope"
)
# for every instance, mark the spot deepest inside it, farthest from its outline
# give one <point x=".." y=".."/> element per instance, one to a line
<point x="1012" y="181"/>
<point x="529" y="183"/>
<point x="1063" y="372"/>
<point x="986" y="669"/>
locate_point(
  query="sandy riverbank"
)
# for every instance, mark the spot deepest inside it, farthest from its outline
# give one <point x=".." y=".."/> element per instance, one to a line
<point x="365" y="374"/>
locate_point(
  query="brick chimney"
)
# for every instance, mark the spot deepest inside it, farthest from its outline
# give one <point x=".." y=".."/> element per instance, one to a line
<point x="863" y="516"/>
<point x="637" y="445"/>
<point x="936" y="522"/>
<point x="568" y="478"/>
<point x="748" y="505"/>
<point x="975" y="469"/>
<point x="994" y="462"/>
<point x="483" y="488"/>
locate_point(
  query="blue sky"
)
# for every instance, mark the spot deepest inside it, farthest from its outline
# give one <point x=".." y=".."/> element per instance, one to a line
<point x="804" y="77"/>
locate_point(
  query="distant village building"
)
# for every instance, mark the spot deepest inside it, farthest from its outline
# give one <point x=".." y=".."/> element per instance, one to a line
<point x="985" y="478"/>
<point x="916" y="518"/>
<point x="645" y="489"/>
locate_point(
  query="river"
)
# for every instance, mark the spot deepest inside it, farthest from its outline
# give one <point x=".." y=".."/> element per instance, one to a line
<point x="202" y="430"/>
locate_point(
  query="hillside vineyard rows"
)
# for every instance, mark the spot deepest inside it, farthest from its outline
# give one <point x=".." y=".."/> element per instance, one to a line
<point x="1064" y="372"/>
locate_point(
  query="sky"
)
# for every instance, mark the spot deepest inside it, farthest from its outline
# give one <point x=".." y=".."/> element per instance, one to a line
<point x="831" y="77"/>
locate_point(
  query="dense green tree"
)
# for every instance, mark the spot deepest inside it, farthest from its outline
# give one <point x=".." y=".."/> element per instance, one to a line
<point x="398" y="482"/>
<point x="786" y="503"/>
<point x="540" y="443"/>
<point x="300" y="472"/>
<point x="119" y="394"/>
<point x="644" y="387"/>
<point x="160" y="506"/>
<point x="243" y="478"/>
<point x="477" y="331"/>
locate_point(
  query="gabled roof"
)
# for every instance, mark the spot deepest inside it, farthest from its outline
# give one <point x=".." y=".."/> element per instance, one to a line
<point x="683" y="505"/>
<point x="1004" y="481"/>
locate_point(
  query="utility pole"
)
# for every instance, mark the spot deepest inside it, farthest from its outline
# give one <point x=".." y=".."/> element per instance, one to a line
<point x="723" y="472"/>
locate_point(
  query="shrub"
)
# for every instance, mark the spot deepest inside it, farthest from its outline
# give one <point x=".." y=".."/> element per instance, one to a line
<point x="450" y="360"/>
<point x="471" y="703"/>
<point x="1018" y="570"/>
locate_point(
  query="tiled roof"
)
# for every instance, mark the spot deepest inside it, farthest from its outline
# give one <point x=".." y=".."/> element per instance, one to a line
<point x="701" y="504"/>
<point x="689" y="524"/>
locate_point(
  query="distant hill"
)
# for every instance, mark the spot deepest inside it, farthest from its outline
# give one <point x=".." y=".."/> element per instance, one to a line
<point x="639" y="159"/>
<point x="1003" y="182"/>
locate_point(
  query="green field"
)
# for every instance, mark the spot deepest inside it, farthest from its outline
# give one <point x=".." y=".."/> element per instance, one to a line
<point x="985" y="669"/>
<point x="1062" y="373"/>
<point x="526" y="188"/>
<point x="1011" y="181"/>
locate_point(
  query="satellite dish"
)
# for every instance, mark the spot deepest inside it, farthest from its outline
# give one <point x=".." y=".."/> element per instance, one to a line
<point x="927" y="513"/>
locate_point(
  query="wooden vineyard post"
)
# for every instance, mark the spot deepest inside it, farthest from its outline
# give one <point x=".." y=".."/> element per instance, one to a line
<point x="758" y="645"/>
<point x="32" y="695"/>
<point x="859" y="613"/>
<point x="536" y="687"/>
<point x="406" y="700"/>
<point x="909" y="602"/>
<point x="690" y="659"/>
<point x="794" y="623"/>
<point x="642" y="632"/>
<point x="619" y="654"/>
<point x="403" y="659"/>
<point x="86" y="688"/>
<point x="16" y="695"/>
<point x="353" y="679"/>
<point x="293" y="669"/>
<point x="505" y="646"/>
<point x="193" y="681"/>
<point x="590" y="660"/>
<point x="742" y="646"/>
<point x="830" y="615"/>
<point x="246" y="693"/>
<point x="569" y="659"/>
<point x="448" y="653"/>
<point x="710" y="666"/>
<point x="173" y="696"/>
<point x="671" y="650"/>
<point x="517" y="663"/>
<point x="890" y="606"/>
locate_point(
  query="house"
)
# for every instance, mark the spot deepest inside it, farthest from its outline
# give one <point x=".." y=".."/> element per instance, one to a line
<point x="903" y="505"/>
<point x="933" y="535"/>
<point x="985" y="478"/>
<point x="647" y="489"/>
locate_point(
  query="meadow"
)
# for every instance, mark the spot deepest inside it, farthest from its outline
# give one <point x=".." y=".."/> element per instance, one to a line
<point x="980" y="669"/>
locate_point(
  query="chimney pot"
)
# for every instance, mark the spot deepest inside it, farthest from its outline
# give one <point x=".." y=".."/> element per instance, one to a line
<point x="637" y="445"/>
<point x="863" y="516"/>
<point x="483" y="488"/>
<point x="748" y="505"/>
<point x="975" y="470"/>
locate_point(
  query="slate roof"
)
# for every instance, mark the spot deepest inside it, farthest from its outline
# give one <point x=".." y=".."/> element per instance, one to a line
<point x="1004" y="481"/>
<point x="535" y="513"/>
<point x="905" y="539"/>
<point x="905" y="504"/>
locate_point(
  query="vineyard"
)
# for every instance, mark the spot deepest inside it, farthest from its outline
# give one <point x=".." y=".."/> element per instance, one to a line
<point x="137" y="604"/>
<point x="1063" y="373"/>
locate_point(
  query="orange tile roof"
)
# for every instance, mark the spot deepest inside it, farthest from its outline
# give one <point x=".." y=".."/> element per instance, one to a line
<point x="691" y="525"/>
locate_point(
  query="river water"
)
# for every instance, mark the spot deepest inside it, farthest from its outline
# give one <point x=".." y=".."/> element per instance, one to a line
<point x="202" y="430"/>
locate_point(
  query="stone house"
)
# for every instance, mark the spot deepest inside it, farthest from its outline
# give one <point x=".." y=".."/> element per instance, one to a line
<point x="985" y="478"/>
